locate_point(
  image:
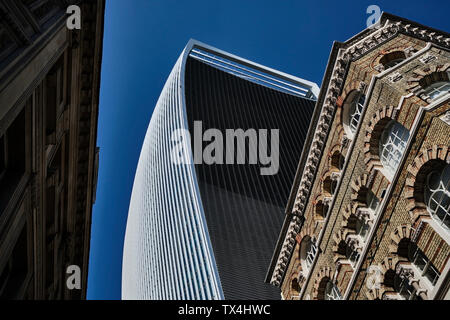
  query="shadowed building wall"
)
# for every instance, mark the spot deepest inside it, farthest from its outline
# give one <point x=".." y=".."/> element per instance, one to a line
<point x="49" y="87"/>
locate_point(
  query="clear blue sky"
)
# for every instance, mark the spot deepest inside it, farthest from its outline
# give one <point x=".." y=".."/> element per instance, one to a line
<point x="142" y="41"/>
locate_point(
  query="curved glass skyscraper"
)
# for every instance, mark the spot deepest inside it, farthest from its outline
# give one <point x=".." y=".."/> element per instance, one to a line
<point x="207" y="231"/>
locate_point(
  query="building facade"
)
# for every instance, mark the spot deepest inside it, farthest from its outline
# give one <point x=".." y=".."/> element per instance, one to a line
<point x="49" y="89"/>
<point x="206" y="230"/>
<point x="369" y="214"/>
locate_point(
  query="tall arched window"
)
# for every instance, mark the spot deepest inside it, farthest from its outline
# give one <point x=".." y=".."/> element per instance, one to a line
<point x="437" y="195"/>
<point x="392" y="145"/>
<point x="321" y="210"/>
<point x="337" y="160"/>
<point x="352" y="110"/>
<point x="355" y="111"/>
<point x="329" y="186"/>
<point x="437" y="89"/>
<point x="308" y="251"/>
<point x="332" y="291"/>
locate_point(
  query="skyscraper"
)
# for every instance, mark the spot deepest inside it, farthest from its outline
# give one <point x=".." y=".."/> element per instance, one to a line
<point x="206" y="231"/>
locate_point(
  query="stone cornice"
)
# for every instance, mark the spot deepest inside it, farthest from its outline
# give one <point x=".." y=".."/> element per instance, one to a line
<point x="352" y="50"/>
<point x="90" y="46"/>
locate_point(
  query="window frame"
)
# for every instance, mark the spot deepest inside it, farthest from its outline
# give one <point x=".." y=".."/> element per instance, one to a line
<point x="356" y="109"/>
<point x="437" y="87"/>
<point x="332" y="291"/>
<point x="442" y="188"/>
<point x="392" y="146"/>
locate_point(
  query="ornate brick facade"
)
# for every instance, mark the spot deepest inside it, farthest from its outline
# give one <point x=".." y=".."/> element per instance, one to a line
<point x="377" y="230"/>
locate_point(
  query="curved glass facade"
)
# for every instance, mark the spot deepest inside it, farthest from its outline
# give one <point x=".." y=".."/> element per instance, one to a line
<point x="167" y="254"/>
<point x="208" y="231"/>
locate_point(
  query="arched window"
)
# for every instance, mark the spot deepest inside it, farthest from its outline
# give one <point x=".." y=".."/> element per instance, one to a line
<point x="329" y="185"/>
<point x="392" y="145"/>
<point x="332" y="292"/>
<point x="337" y="160"/>
<point x="321" y="210"/>
<point x="437" y="89"/>
<point x="437" y="195"/>
<point x="308" y="251"/>
<point x="435" y="85"/>
<point x="355" y="111"/>
<point x="393" y="58"/>
<point x="352" y="110"/>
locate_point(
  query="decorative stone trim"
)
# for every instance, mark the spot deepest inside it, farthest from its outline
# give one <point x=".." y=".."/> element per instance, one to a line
<point x="410" y="51"/>
<point x="324" y="274"/>
<point x="427" y="58"/>
<point x="394" y="77"/>
<point x="335" y="176"/>
<point x="378" y="122"/>
<point x="353" y="52"/>
<point x="286" y="250"/>
<point x="416" y="178"/>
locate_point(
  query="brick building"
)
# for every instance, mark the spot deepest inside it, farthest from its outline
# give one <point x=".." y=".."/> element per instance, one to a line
<point x="49" y="87"/>
<point x="369" y="213"/>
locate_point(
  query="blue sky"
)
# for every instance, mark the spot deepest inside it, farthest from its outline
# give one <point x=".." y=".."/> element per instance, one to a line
<point x="142" y="41"/>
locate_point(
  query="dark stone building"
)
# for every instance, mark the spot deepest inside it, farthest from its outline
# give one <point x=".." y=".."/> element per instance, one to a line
<point x="49" y="93"/>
